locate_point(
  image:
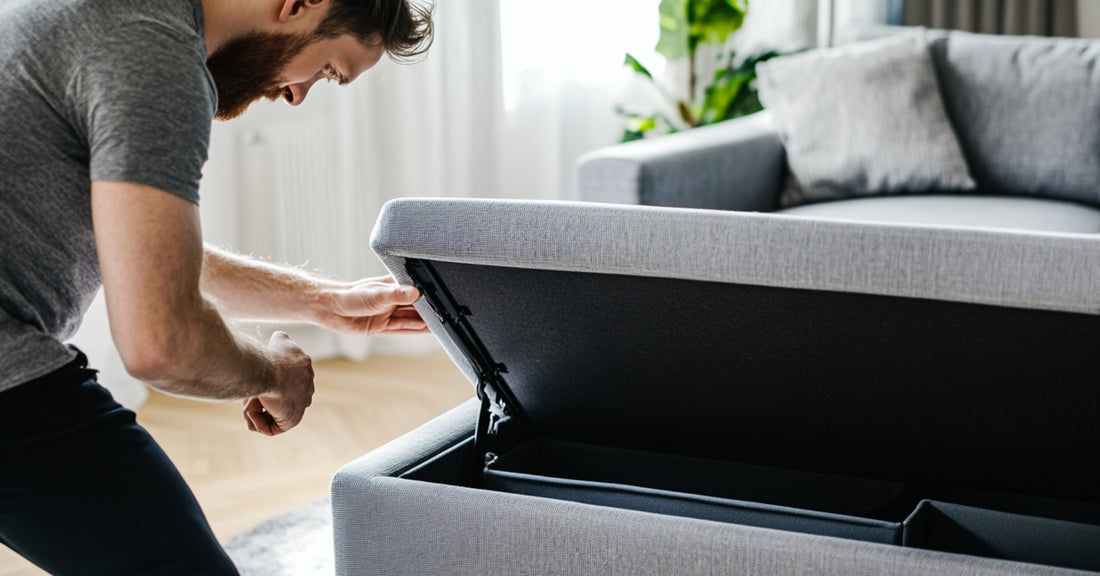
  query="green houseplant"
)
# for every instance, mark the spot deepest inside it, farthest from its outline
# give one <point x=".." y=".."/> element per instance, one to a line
<point x="686" y="25"/>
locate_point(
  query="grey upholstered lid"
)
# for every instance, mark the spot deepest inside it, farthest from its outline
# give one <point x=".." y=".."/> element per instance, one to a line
<point x="1022" y="269"/>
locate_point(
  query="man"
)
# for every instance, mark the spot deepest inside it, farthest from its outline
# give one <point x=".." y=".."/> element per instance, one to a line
<point x="105" y="106"/>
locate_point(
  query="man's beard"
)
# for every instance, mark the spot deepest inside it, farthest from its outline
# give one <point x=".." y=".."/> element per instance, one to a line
<point x="248" y="68"/>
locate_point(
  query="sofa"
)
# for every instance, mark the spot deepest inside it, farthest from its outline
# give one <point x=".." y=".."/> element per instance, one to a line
<point x="674" y="389"/>
<point x="897" y="124"/>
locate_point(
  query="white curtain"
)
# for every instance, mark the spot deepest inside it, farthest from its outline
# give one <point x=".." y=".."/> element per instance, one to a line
<point x="512" y="92"/>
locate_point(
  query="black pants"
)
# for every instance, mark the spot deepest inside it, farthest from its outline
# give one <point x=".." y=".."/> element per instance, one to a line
<point x="85" y="491"/>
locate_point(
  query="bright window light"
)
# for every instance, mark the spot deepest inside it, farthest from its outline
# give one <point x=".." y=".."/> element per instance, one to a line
<point x="552" y="42"/>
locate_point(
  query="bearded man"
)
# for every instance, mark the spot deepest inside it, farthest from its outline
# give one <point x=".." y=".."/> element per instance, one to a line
<point x="106" y="107"/>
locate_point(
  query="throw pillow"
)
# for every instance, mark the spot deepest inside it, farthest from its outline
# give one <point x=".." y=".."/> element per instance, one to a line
<point x="1027" y="111"/>
<point x="864" y="119"/>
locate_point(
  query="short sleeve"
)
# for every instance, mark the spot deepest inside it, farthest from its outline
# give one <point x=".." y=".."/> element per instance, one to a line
<point x="147" y="101"/>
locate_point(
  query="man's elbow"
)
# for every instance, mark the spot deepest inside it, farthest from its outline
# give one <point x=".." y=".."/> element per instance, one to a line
<point x="152" y="358"/>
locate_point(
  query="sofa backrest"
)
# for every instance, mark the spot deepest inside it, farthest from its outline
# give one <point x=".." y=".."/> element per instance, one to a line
<point x="1026" y="109"/>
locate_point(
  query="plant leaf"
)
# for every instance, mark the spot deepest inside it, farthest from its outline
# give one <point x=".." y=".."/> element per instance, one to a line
<point x="673" y="42"/>
<point x="637" y="66"/>
<point x="747" y="102"/>
<point x="719" y="96"/>
<point x="685" y="24"/>
<point x="641" y="124"/>
<point x="713" y="21"/>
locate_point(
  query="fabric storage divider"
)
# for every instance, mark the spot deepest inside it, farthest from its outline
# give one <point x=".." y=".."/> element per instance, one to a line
<point x="949" y="527"/>
<point x="731" y="492"/>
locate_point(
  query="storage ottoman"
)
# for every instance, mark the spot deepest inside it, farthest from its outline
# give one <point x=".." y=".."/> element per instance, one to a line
<point x="689" y="392"/>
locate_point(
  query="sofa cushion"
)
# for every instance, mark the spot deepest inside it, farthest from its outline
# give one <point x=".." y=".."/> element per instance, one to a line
<point x="953" y="210"/>
<point x="864" y="119"/>
<point x="1026" y="111"/>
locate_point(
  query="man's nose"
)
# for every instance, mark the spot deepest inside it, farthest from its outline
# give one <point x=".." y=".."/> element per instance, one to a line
<point x="296" y="93"/>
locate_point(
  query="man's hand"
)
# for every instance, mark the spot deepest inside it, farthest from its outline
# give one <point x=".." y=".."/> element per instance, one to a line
<point x="372" y="306"/>
<point x="276" y="412"/>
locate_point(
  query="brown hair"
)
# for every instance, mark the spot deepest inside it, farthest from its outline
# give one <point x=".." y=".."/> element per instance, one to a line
<point x="403" y="27"/>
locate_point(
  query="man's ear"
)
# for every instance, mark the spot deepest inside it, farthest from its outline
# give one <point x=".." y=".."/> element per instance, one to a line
<point x="291" y="9"/>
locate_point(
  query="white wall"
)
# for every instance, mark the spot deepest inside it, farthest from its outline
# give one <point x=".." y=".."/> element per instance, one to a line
<point x="1088" y="18"/>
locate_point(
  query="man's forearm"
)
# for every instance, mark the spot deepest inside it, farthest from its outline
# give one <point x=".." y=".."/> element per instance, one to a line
<point x="209" y="360"/>
<point x="246" y="288"/>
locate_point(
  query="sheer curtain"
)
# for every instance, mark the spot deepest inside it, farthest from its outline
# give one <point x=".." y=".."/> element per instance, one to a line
<point x="512" y="92"/>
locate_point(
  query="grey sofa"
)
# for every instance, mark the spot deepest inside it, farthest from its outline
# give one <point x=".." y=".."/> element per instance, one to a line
<point x="1024" y="110"/>
<point x="698" y="392"/>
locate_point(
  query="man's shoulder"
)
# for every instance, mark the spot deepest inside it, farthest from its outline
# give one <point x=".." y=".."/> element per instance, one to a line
<point x="73" y="24"/>
<point x="134" y="25"/>
<point x="80" y="30"/>
<point x="155" y="47"/>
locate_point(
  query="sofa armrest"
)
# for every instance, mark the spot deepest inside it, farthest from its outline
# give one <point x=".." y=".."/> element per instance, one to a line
<point x="734" y="165"/>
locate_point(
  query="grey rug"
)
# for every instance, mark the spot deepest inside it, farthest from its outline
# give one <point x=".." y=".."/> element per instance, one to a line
<point x="295" y="544"/>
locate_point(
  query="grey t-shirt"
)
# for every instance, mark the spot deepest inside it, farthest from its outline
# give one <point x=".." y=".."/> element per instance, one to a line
<point x="89" y="90"/>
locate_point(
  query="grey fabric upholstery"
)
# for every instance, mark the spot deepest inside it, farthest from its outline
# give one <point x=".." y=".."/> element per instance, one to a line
<point x="410" y="528"/>
<point x="1004" y="212"/>
<point x="410" y="449"/>
<point x="349" y="483"/>
<point x="736" y="165"/>
<point x="875" y="122"/>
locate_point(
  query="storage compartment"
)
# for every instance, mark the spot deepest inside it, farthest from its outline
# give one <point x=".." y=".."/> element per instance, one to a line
<point x="786" y="409"/>
<point x="963" y="529"/>
<point x="715" y="490"/>
<point x="1023" y="529"/>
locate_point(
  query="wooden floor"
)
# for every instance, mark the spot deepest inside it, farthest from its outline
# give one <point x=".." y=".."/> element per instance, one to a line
<point x="241" y="478"/>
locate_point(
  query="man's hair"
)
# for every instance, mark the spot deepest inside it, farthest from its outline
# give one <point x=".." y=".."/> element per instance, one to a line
<point x="403" y="27"/>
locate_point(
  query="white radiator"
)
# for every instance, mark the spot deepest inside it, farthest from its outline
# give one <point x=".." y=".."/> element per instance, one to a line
<point x="292" y="199"/>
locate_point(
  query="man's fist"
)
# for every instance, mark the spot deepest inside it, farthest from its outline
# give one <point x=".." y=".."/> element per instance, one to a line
<point x="281" y="409"/>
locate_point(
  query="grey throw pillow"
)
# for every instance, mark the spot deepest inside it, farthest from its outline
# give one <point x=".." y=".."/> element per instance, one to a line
<point x="863" y="119"/>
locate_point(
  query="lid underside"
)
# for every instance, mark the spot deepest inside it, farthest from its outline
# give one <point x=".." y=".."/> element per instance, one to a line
<point x="906" y="389"/>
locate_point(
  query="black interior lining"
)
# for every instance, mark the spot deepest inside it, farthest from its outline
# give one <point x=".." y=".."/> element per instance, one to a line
<point x="721" y="479"/>
<point x="940" y="395"/>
